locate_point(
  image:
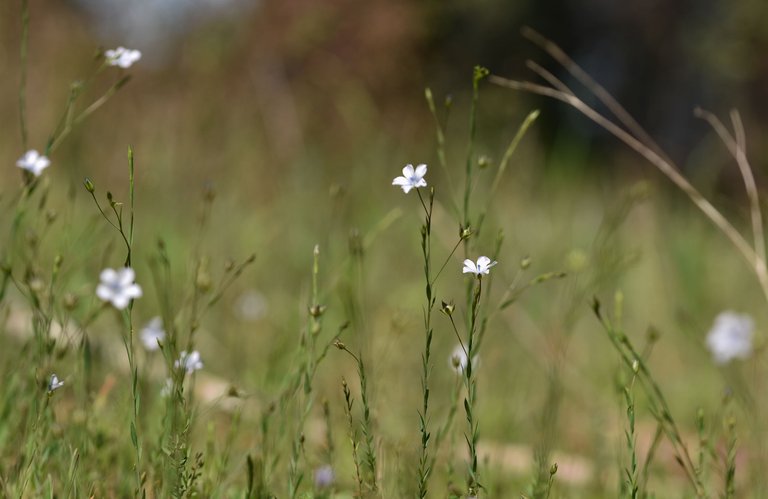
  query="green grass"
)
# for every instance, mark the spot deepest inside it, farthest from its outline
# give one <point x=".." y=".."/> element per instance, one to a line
<point x="348" y="364"/>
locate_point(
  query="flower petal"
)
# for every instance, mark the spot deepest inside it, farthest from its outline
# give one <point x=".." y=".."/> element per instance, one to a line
<point x="400" y="181"/>
<point x="133" y="291"/>
<point x="126" y="276"/>
<point x="469" y="266"/>
<point x="421" y="170"/>
<point x="120" y="301"/>
<point x="108" y="276"/>
<point x="408" y="171"/>
<point x="104" y="292"/>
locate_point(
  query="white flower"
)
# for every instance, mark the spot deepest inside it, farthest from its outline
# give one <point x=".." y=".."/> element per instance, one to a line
<point x="117" y="287"/>
<point x="190" y="361"/>
<point x="54" y="383"/>
<point x="152" y="333"/>
<point x="483" y="266"/>
<point x="33" y="162"/>
<point x="122" y="57"/>
<point x="324" y="476"/>
<point x="730" y="337"/>
<point x="458" y="360"/>
<point x="411" y="178"/>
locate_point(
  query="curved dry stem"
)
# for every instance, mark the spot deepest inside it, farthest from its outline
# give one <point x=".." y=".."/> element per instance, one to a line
<point x="737" y="146"/>
<point x="666" y="166"/>
<point x="548" y="77"/>
<point x="598" y="90"/>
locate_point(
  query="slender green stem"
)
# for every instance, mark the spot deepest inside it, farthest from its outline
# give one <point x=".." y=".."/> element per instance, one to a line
<point x="132" y="199"/>
<point x="23" y="78"/>
<point x="659" y="407"/>
<point x="441" y="149"/>
<point x="470" y="403"/>
<point x="447" y="259"/>
<point x="425" y="470"/>
<point x="458" y="336"/>
<point x="71" y="123"/>
<point x="503" y="165"/>
<point x="479" y="74"/>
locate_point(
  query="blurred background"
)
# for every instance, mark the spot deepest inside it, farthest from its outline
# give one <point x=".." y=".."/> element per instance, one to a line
<point x="298" y="114"/>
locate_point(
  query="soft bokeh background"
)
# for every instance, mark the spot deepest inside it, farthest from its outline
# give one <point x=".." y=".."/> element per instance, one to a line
<point x="298" y="114"/>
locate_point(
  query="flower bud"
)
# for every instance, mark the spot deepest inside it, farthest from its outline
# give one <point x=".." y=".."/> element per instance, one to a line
<point x="448" y="308"/>
<point x="317" y="310"/>
<point x="70" y="301"/>
<point x="203" y="281"/>
<point x="89" y="185"/>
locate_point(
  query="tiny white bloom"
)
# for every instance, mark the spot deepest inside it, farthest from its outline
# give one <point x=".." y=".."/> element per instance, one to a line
<point x="458" y="360"/>
<point x="117" y="287"/>
<point x="54" y="383"/>
<point x="152" y="333"/>
<point x="731" y="337"/>
<point x="324" y="476"/>
<point x="190" y="361"/>
<point x="33" y="162"/>
<point x="411" y="178"/>
<point x="122" y="57"/>
<point x="483" y="266"/>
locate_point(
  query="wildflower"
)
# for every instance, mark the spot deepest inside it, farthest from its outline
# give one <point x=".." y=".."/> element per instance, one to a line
<point x="730" y="337"/>
<point x="189" y="361"/>
<point x="54" y="383"/>
<point x="483" y="266"/>
<point x="152" y="334"/>
<point x="411" y="178"/>
<point x="117" y="287"/>
<point x="324" y="476"/>
<point x="122" y="57"/>
<point x="33" y="162"/>
<point x="458" y="360"/>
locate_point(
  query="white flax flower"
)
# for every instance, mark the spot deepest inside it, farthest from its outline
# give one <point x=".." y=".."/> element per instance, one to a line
<point x="731" y="337"/>
<point x="189" y="361"/>
<point x="411" y="179"/>
<point x="458" y="360"/>
<point x="152" y="333"/>
<point x="54" y="383"/>
<point x="122" y="57"/>
<point x="117" y="287"/>
<point x="483" y="266"/>
<point x="33" y="162"/>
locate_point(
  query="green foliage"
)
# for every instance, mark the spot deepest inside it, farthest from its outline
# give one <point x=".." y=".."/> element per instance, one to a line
<point x="265" y="417"/>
